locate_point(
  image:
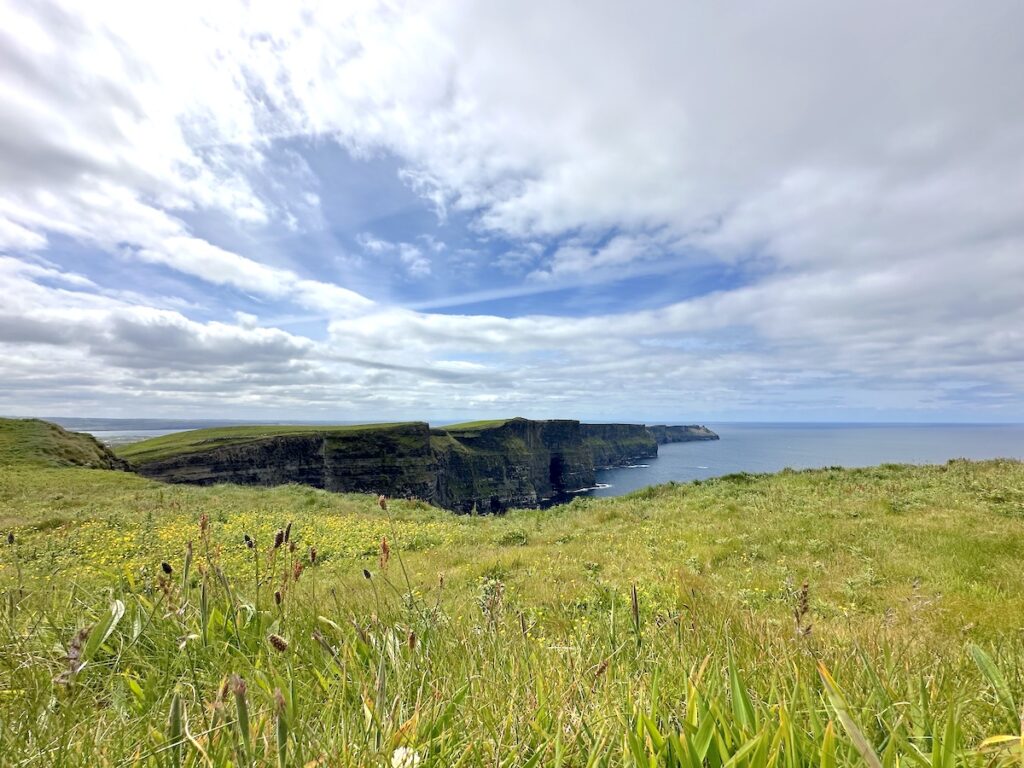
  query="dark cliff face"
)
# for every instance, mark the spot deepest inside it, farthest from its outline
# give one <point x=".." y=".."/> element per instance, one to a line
<point x="518" y="463"/>
<point x="394" y="461"/>
<point x="272" y="461"/>
<point x="680" y="434"/>
<point x="489" y="467"/>
<point x="616" y="444"/>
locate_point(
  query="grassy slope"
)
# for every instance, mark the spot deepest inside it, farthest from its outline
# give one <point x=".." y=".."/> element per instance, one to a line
<point x="906" y="567"/>
<point x="41" y="443"/>
<point x="196" y="440"/>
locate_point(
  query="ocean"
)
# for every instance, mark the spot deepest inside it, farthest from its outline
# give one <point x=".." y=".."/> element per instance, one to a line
<point x="752" y="448"/>
<point x="772" y="447"/>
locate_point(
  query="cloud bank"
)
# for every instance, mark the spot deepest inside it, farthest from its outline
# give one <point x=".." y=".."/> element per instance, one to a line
<point x="807" y="210"/>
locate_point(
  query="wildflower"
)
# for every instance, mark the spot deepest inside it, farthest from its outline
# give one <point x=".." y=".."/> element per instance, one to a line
<point x="277" y="597"/>
<point x="312" y="555"/>
<point x="803" y="607"/>
<point x="279" y="643"/>
<point x="297" y="570"/>
<point x="382" y="500"/>
<point x="412" y="640"/>
<point x="166" y="568"/>
<point x="248" y="541"/>
<point x="204" y="523"/>
<point x="288" y="532"/>
<point x="366" y="574"/>
<point x="404" y="757"/>
<point x="10" y="538"/>
<point x="75" y="661"/>
<point x="278" y="538"/>
<point x="385" y="553"/>
<point x="291" y="546"/>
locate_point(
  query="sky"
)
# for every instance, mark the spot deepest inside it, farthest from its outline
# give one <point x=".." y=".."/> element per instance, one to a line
<point x="649" y="211"/>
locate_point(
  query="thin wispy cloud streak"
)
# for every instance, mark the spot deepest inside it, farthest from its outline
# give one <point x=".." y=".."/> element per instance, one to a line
<point x="667" y="211"/>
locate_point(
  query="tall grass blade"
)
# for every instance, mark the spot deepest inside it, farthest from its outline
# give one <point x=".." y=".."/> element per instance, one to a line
<point x="996" y="680"/>
<point x="838" y="702"/>
<point x="102" y="630"/>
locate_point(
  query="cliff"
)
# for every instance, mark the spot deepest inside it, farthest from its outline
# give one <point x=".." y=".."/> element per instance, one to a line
<point x="513" y="463"/>
<point x="393" y="459"/>
<point x="487" y="466"/>
<point x="616" y="444"/>
<point x="680" y="434"/>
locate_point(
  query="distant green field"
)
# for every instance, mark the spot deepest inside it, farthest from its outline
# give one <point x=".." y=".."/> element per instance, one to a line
<point x="818" y="618"/>
<point x="195" y="440"/>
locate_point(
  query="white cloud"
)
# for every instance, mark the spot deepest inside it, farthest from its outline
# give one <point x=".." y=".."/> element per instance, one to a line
<point x="201" y="259"/>
<point x="415" y="261"/>
<point x="15" y="237"/>
<point x="860" y="166"/>
<point x="620" y="254"/>
<point x="412" y="258"/>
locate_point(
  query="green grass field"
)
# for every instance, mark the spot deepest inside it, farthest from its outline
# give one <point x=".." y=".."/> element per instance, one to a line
<point x="178" y="443"/>
<point x="669" y="627"/>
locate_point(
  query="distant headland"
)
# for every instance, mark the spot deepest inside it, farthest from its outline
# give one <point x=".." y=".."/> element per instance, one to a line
<point x="487" y="466"/>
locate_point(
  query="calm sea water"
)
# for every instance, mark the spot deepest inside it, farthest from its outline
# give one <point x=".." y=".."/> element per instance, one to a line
<point x="772" y="447"/>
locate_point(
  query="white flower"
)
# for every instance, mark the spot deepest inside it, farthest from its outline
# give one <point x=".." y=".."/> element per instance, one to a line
<point x="403" y="757"/>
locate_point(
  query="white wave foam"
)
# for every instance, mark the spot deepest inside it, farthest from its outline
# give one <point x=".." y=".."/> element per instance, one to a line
<point x="598" y="487"/>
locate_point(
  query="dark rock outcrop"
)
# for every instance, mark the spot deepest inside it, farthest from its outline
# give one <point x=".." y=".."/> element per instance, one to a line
<point x="488" y="466"/>
<point x="616" y="444"/>
<point x="680" y="434"/>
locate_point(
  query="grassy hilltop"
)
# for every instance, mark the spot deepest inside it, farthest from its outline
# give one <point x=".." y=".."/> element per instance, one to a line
<point x="40" y="443"/>
<point x="668" y="627"/>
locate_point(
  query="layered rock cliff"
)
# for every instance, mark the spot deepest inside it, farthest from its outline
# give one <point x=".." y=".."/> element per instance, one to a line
<point x="485" y="466"/>
<point x="616" y="444"/>
<point x="680" y="434"/>
<point x="516" y="463"/>
<point x="393" y="460"/>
